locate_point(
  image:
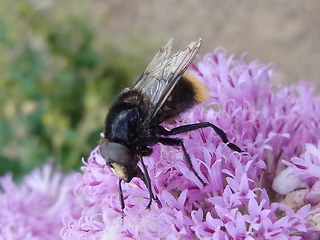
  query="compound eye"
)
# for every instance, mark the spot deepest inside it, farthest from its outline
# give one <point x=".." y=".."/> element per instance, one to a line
<point x="116" y="153"/>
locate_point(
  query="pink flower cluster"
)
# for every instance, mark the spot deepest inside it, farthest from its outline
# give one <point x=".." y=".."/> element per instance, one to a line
<point x="270" y="191"/>
<point x="35" y="209"/>
<point x="272" y="124"/>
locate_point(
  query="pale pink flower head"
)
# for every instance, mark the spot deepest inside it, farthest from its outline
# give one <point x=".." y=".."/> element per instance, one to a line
<point x="35" y="209"/>
<point x="271" y="190"/>
<point x="270" y="123"/>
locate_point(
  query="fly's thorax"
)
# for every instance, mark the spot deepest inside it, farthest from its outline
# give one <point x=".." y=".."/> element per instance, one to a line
<point x="122" y="123"/>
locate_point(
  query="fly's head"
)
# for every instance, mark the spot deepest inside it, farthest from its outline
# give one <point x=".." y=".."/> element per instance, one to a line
<point x="121" y="160"/>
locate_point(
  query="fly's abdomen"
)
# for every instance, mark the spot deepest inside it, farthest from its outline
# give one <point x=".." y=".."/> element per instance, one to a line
<point x="187" y="93"/>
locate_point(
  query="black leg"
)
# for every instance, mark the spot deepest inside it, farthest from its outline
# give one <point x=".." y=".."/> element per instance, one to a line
<point x="179" y="142"/>
<point x="147" y="181"/>
<point x="121" y="195"/>
<point x="191" y="127"/>
<point x="145" y="178"/>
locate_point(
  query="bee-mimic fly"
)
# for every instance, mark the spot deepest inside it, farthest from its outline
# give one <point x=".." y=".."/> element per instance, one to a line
<point x="132" y="125"/>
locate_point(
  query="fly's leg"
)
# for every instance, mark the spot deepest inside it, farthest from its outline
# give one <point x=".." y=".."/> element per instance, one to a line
<point x="121" y="200"/>
<point x="195" y="126"/>
<point x="147" y="181"/>
<point x="179" y="142"/>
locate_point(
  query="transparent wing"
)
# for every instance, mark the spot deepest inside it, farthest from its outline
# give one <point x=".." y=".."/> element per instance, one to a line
<point x="162" y="74"/>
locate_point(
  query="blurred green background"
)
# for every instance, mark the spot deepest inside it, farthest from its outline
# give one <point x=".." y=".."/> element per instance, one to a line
<point x="59" y="70"/>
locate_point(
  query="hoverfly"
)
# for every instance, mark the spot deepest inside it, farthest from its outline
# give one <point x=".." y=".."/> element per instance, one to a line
<point x="132" y="125"/>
